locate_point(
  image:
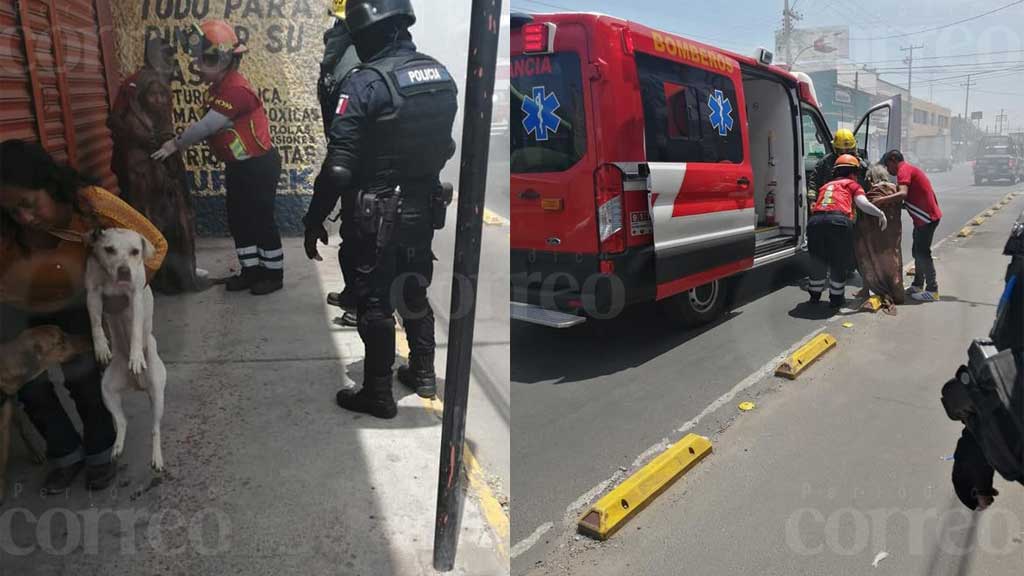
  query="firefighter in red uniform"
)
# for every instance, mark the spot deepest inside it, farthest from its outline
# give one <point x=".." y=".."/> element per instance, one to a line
<point x="238" y="132"/>
<point x="830" y="229"/>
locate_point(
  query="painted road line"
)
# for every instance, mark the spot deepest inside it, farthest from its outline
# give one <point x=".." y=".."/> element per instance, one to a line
<point x="493" y="512"/>
<point x="494" y="219"/>
<point x="620" y="504"/>
<point x="792" y="366"/>
<point x="528" y="542"/>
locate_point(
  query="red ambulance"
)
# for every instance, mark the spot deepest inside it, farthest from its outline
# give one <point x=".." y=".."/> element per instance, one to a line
<point x="648" y="167"/>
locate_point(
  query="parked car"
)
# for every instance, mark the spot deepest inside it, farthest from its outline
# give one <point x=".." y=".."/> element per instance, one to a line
<point x="999" y="158"/>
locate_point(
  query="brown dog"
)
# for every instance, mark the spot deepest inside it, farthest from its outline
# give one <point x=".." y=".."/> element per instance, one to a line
<point x="21" y="361"/>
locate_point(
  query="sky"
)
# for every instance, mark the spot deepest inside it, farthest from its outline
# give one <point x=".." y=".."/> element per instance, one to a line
<point x="991" y="46"/>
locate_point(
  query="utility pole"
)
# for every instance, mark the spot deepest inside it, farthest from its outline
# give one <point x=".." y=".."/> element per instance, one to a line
<point x="910" y="78"/>
<point x="966" y="122"/>
<point x="480" y="70"/>
<point x="1000" y="119"/>
<point x="967" y="96"/>
<point x="788" y="17"/>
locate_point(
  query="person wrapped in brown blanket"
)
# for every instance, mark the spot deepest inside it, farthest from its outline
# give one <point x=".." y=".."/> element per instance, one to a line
<point x="141" y="120"/>
<point x="879" y="255"/>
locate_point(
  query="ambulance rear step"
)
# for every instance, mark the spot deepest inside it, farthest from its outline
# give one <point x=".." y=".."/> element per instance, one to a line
<point x="542" y="316"/>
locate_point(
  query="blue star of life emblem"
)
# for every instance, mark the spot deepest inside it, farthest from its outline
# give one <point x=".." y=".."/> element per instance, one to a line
<point x="539" y="112"/>
<point x="721" y="113"/>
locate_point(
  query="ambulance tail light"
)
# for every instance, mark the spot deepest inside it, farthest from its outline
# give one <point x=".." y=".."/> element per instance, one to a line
<point x="610" y="213"/>
<point x="538" y="38"/>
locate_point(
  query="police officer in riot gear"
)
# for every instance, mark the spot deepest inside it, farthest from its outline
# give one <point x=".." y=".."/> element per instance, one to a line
<point x="987" y="394"/>
<point x="389" y="139"/>
<point x="339" y="59"/>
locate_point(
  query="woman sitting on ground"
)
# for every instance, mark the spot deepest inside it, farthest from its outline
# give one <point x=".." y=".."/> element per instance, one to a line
<point x="46" y="213"/>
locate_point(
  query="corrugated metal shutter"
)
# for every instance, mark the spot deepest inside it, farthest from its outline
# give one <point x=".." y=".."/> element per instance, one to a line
<point x="57" y="92"/>
<point x="17" y="116"/>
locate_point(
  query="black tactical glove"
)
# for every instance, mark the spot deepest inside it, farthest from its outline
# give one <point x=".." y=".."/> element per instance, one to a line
<point x="313" y="233"/>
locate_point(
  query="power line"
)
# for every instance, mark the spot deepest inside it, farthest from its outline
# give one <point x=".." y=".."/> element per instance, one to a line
<point x="950" y="67"/>
<point x="944" y="57"/>
<point x="1000" y="93"/>
<point x="987" y="75"/>
<point x="549" y="5"/>
<point x="933" y="29"/>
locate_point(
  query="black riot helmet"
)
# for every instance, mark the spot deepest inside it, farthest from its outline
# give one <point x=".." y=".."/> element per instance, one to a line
<point x="362" y="14"/>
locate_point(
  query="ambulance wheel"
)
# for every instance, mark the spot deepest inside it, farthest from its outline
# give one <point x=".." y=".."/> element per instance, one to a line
<point x="699" y="306"/>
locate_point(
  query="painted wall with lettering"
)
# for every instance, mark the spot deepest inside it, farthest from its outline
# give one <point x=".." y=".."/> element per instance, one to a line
<point x="285" y="40"/>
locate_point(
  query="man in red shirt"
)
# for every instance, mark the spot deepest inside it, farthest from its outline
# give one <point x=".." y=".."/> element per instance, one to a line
<point x="924" y="211"/>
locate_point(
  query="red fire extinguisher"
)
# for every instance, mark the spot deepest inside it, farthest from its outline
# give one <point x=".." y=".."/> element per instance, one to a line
<point x="769" y="208"/>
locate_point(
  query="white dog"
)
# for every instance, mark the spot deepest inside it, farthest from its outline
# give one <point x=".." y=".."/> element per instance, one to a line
<point x="115" y="268"/>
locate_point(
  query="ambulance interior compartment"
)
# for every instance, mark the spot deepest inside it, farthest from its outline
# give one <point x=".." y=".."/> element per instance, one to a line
<point x="771" y="111"/>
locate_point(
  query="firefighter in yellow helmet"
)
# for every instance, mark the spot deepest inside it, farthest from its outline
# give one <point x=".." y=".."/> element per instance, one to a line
<point x="842" y="143"/>
<point x="338" y="9"/>
<point x="830" y="230"/>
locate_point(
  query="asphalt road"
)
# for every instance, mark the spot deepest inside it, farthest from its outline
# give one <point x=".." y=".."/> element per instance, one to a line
<point x="844" y="471"/>
<point x="590" y="400"/>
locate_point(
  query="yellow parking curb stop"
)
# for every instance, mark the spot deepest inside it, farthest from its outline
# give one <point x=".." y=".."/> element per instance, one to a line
<point x="805" y="356"/>
<point x="629" y="497"/>
<point x="989" y="214"/>
<point x="977" y="221"/>
<point x="965" y="232"/>
<point x="746" y="406"/>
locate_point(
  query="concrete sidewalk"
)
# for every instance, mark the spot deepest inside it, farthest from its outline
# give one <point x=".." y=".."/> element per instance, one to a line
<point x="265" y="474"/>
<point x="850" y="460"/>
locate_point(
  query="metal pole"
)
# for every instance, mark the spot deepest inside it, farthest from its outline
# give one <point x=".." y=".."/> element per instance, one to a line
<point x="910" y="94"/>
<point x="967" y="96"/>
<point x="476" y="132"/>
<point x="785" y="33"/>
<point x="788" y="16"/>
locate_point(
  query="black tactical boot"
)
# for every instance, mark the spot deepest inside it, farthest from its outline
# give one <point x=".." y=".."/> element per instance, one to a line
<point x="374" y="398"/>
<point x="346" y="299"/>
<point x="837" y="302"/>
<point x="419" y="376"/>
<point x="244" y="281"/>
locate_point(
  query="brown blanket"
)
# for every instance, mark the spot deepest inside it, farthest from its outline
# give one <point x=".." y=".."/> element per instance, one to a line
<point x="879" y="257"/>
<point x="157" y="189"/>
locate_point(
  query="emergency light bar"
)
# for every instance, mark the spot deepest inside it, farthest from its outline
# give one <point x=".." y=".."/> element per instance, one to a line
<point x="764" y="56"/>
<point x="538" y="38"/>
